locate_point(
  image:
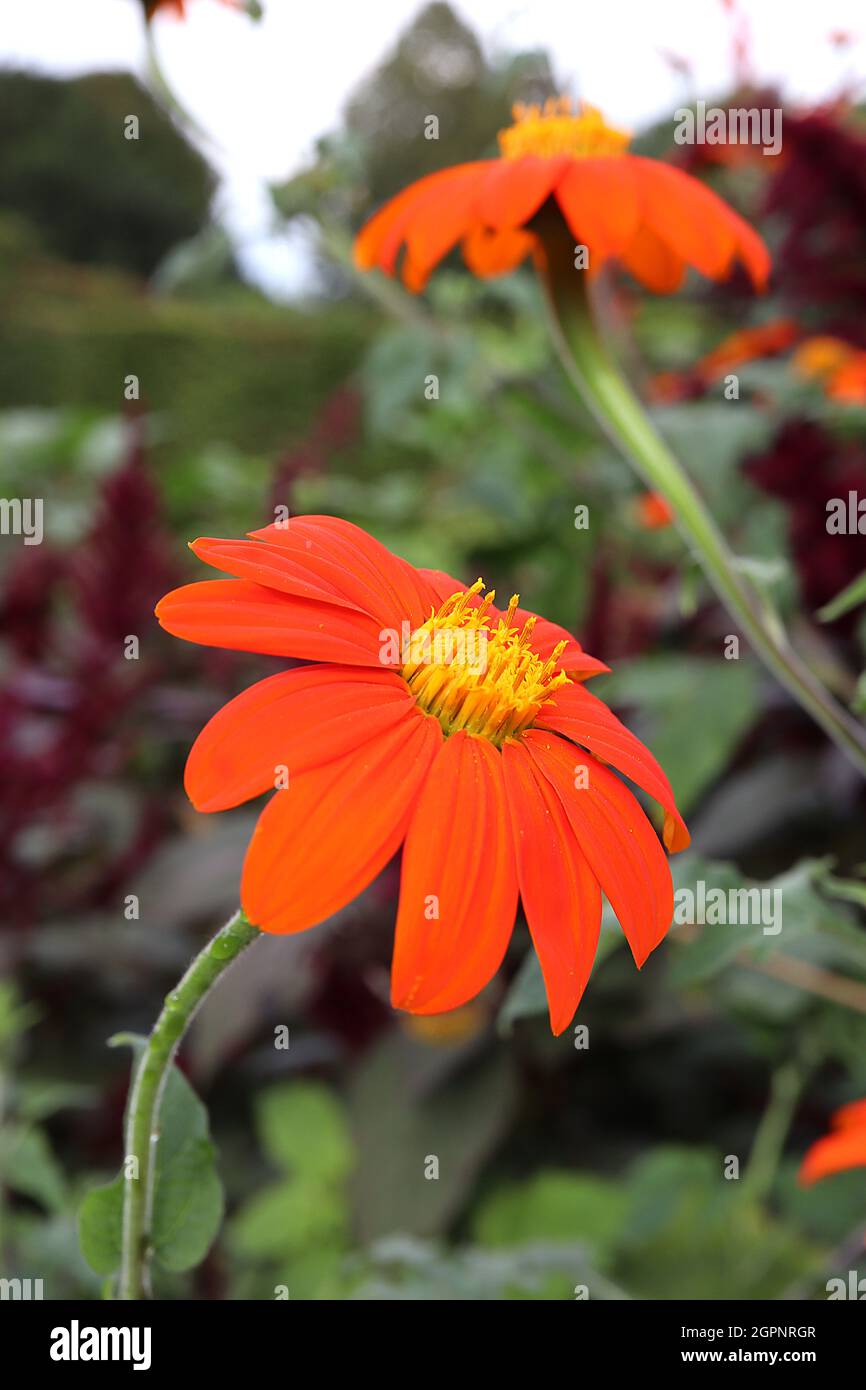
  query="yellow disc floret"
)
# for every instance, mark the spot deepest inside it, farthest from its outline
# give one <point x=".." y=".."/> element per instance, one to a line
<point x="476" y="671"/>
<point x="555" y="128"/>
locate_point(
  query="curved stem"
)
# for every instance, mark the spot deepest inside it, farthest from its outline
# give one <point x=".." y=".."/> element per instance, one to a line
<point x="770" y="1136"/>
<point x="142" y="1114"/>
<point x="165" y="93"/>
<point x="620" y="414"/>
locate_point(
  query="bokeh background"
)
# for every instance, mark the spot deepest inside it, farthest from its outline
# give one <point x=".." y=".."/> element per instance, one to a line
<point x="218" y="272"/>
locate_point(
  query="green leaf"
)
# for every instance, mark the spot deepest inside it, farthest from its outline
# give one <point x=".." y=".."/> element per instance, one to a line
<point x="695" y="713"/>
<point x="403" y="1269"/>
<point x="38" y="1099"/>
<point x="790" y="910"/>
<point x="851" y="890"/>
<point x="555" y="1206"/>
<point x="302" y="1127"/>
<point x="28" y="1166"/>
<point x="694" y="1235"/>
<point x="188" y="1206"/>
<point x="716" y="943"/>
<point x="851" y="597"/>
<point x="188" y="1195"/>
<point x="289" y="1218"/>
<point x="526" y="997"/>
<point x="763" y="573"/>
<point x="100" y="1224"/>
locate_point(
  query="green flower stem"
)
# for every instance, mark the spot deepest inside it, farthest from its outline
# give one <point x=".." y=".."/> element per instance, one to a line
<point x="769" y="1141"/>
<point x="165" y="94"/>
<point x="151" y="1073"/>
<point x="601" y="386"/>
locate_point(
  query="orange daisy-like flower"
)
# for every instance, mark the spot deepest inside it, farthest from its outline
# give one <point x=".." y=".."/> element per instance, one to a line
<point x="432" y="719"/>
<point x="843" y="1148"/>
<point x="653" y="218"/>
<point x="837" y="365"/>
<point x="820" y="356"/>
<point x="745" y="345"/>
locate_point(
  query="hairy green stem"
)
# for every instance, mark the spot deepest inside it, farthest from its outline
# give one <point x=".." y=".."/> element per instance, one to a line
<point x="772" y="1132"/>
<point x="142" y="1112"/>
<point x="601" y="386"/>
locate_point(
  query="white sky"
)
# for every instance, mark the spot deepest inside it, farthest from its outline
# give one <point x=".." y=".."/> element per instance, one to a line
<point x="265" y="91"/>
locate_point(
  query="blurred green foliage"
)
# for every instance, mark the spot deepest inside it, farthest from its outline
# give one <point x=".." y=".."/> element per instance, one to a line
<point x="89" y="194"/>
<point x="245" y="376"/>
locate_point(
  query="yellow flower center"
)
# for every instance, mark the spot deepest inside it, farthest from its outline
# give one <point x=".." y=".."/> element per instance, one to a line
<point x="818" y="357"/>
<point x="474" y="671"/>
<point x="555" y="129"/>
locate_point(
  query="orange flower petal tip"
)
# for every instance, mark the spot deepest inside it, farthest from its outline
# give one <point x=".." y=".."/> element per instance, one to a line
<point x="429" y="718"/>
<point x="675" y="833"/>
<point x="842" y="1149"/>
<point x="652" y="217"/>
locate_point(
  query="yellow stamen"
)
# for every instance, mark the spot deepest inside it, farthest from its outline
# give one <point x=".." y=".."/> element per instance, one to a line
<point x="555" y="129"/>
<point x="477" y="672"/>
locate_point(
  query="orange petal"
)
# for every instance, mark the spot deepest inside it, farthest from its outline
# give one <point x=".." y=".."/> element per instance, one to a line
<point x="688" y="217"/>
<point x="599" y="201"/>
<point x="835" y="1153"/>
<point x="320" y="842"/>
<point x="560" y="893"/>
<point x="458" y="891"/>
<point x="489" y="253"/>
<point x="851" y="1114"/>
<point x="274" y="567"/>
<point x="751" y="250"/>
<point x="298" y="720"/>
<point x="355" y="565"/>
<point x="379" y="241"/>
<point x="247" y="617"/>
<point x="697" y="225"/>
<point x="438" y="223"/>
<point x="618" y="841"/>
<point x="653" y="263"/>
<point x="512" y="190"/>
<point x="443" y="585"/>
<point x="580" y="716"/>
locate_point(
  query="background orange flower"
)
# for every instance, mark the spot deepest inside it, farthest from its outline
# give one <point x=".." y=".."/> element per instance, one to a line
<point x="652" y="217"/>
